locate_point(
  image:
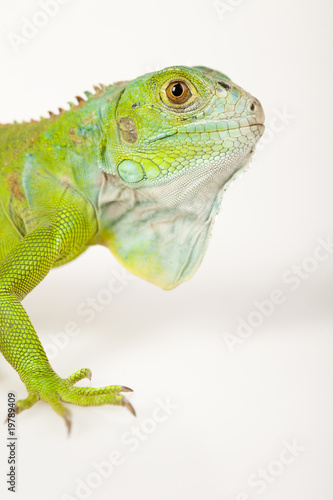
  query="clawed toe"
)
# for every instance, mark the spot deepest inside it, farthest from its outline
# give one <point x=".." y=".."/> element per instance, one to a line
<point x="28" y="402"/>
<point x="79" y="375"/>
<point x="63" y="391"/>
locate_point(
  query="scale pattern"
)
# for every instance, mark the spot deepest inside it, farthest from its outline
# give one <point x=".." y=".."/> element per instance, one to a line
<point x="139" y="167"/>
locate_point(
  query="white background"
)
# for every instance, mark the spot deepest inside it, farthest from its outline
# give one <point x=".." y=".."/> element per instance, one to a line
<point x="235" y="410"/>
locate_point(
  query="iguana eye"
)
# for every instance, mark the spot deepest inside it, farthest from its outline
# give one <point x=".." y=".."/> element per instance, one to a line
<point x="178" y="92"/>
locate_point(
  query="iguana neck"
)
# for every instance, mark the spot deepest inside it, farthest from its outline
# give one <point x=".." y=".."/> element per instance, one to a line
<point x="161" y="233"/>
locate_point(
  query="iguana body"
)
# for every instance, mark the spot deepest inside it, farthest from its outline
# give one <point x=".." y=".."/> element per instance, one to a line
<point x="139" y="167"/>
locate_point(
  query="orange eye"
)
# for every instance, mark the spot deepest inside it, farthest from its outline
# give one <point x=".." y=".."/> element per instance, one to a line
<point x="178" y="92"/>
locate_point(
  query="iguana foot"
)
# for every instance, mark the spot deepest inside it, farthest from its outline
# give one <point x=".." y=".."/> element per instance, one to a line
<point x="55" y="390"/>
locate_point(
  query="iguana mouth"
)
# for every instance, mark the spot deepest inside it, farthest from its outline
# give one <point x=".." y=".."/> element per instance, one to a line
<point x="170" y="133"/>
<point x="260" y="125"/>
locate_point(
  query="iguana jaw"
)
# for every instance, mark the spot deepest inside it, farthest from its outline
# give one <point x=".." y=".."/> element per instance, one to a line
<point x="251" y="127"/>
<point x="194" y="190"/>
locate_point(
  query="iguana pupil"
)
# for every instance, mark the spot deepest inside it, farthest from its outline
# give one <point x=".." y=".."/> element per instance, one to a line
<point x="177" y="90"/>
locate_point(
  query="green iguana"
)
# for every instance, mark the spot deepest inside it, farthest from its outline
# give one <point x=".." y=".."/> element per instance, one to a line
<point x="139" y="167"/>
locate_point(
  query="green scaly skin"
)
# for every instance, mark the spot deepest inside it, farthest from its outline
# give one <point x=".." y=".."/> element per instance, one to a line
<point x="139" y="167"/>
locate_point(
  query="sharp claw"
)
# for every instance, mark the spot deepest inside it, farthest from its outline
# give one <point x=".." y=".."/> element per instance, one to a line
<point x="128" y="405"/>
<point x="68" y="421"/>
<point x="89" y="375"/>
<point x="125" y="389"/>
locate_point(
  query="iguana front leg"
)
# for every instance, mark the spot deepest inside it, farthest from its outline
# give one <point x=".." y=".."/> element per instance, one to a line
<point x="23" y="268"/>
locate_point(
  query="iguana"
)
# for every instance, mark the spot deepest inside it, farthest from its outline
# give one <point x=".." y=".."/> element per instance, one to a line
<point x="138" y="166"/>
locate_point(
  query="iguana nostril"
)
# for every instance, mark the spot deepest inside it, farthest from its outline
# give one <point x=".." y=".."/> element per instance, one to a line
<point x="255" y="108"/>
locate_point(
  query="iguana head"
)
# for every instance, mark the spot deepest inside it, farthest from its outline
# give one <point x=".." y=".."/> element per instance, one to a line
<point x="172" y="142"/>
